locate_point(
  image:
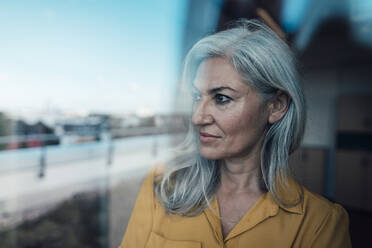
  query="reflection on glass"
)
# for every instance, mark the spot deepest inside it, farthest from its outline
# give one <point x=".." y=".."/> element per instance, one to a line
<point x="86" y="105"/>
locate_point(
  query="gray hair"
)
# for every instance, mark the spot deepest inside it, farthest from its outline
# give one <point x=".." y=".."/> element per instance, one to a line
<point x="267" y="64"/>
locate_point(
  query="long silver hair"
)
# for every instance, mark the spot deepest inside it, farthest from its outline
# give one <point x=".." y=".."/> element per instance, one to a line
<point x="266" y="63"/>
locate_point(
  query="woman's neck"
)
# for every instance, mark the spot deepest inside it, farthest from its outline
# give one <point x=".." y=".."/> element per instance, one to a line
<point x="239" y="176"/>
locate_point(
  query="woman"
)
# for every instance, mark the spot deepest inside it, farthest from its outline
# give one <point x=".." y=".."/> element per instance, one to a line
<point x="230" y="184"/>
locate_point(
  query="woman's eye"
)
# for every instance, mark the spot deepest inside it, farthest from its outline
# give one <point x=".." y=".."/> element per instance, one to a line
<point x="221" y="99"/>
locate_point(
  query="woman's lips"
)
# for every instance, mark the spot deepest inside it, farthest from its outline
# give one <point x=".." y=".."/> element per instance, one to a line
<point x="207" y="138"/>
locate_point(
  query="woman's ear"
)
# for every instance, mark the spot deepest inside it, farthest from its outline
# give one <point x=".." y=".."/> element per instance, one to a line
<point x="278" y="106"/>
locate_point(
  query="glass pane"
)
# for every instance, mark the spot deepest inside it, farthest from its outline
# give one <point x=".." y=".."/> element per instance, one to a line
<point x="86" y="106"/>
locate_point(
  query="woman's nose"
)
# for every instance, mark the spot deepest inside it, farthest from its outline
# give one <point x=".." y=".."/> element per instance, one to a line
<point x="201" y="115"/>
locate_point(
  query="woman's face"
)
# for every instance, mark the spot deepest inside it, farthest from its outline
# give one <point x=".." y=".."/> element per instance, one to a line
<point x="229" y="115"/>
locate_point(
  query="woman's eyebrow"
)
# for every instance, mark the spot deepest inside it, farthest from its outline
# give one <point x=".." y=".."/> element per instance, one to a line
<point x="218" y="89"/>
<point x="214" y="90"/>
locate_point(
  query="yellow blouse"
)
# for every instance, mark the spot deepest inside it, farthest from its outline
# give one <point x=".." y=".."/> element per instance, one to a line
<point x="315" y="222"/>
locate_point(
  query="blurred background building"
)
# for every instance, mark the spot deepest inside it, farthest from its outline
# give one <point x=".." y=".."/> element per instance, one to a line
<point x="91" y="98"/>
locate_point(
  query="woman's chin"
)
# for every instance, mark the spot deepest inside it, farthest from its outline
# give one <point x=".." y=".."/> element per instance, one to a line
<point x="212" y="155"/>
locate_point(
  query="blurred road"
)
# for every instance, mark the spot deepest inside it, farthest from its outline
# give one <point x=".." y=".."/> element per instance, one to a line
<point x="70" y="170"/>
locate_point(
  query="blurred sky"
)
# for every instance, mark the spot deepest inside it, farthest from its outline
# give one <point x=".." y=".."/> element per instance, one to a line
<point x="85" y="55"/>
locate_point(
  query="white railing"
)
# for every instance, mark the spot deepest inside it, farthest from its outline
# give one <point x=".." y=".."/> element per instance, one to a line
<point x="43" y="156"/>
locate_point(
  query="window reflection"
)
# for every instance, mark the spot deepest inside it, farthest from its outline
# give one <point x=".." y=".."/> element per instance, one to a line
<point x="86" y="106"/>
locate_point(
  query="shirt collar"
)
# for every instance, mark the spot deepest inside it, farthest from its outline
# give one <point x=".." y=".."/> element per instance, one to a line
<point x="292" y="193"/>
<point x="265" y="207"/>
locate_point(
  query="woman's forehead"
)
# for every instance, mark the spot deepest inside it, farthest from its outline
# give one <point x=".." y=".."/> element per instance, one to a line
<point x="216" y="73"/>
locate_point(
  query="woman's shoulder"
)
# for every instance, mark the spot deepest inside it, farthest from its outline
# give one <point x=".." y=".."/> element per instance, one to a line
<point x="324" y="215"/>
<point x="325" y="223"/>
<point x="315" y="210"/>
<point x="314" y="203"/>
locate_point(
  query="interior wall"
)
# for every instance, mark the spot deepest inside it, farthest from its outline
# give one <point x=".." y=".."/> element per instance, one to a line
<point x="321" y="89"/>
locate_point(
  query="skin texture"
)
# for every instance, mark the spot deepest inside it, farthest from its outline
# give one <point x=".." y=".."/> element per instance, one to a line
<point x="237" y="119"/>
<point x="235" y="116"/>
